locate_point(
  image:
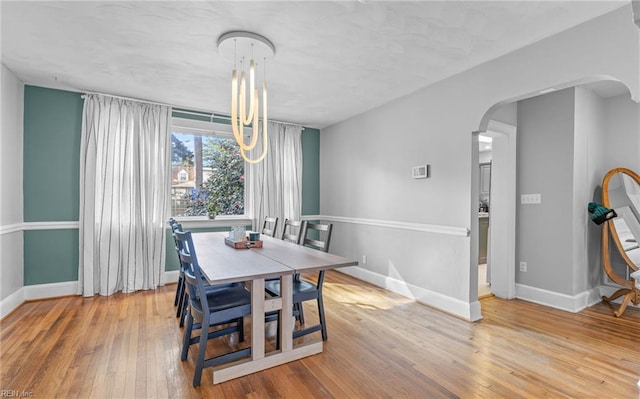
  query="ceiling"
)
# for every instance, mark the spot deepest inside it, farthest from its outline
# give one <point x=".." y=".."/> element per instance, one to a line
<point x="334" y="59"/>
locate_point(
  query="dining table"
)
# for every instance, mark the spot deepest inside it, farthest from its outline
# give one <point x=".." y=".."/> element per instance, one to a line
<point x="222" y="263"/>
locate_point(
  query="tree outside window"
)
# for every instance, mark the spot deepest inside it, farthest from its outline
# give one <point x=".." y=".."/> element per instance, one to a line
<point x="215" y="171"/>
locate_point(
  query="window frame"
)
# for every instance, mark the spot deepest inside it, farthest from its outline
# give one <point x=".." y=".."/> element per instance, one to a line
<point x="212" y="129"/>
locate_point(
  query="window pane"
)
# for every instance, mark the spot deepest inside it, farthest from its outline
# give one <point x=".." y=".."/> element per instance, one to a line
<point x="207" y="176"/>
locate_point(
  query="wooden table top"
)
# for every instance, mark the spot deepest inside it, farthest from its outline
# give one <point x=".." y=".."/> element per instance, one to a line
<point x="223" y="264"/>
<point x="300" y="258"/>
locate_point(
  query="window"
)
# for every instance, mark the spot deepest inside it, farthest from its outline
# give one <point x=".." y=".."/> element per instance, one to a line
<point x="207" y="170"/>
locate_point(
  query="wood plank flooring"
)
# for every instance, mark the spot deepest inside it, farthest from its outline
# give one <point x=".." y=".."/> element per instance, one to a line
<point x="381" y="345"/>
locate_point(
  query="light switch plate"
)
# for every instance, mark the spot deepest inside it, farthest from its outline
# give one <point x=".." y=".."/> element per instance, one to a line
<point x="529" y="199"/>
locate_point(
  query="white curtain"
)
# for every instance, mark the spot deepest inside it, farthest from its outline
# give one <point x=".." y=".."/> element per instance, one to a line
<point x="275" y="184"/>
<point x="124" y="196"/>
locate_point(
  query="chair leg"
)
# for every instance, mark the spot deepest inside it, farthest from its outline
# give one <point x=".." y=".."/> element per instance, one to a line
<point x="240" y="323"/>
<point x="298" y="307"/>
<point x="185" y="307"/>
<point x="323" y="322"/>
<point x="178" y="291"/>
<point x="202" y="349"/>
<point x="187" y="338"/>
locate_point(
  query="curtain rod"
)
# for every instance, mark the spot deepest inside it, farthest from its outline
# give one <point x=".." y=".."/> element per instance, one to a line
<point x="211" y="114"/>
<point x="126" y="98"/>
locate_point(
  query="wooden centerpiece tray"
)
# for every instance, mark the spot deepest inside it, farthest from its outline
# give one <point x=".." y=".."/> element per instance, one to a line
<point x="246" y="244"/>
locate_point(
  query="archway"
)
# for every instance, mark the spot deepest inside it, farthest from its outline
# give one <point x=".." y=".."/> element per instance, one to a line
<point x="504" y="264"/>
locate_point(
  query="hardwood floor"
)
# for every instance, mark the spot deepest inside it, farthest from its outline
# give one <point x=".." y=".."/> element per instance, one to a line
<point x="381" y="345"/>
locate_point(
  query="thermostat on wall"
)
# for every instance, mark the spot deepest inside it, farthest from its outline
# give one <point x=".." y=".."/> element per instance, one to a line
<point x="421" y="172"/>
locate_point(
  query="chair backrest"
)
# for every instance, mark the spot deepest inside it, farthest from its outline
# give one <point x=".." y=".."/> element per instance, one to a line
<point x="269" y="226"/>
<point x="192" y="275"/>
<point x="317" y="236"/>
<point x="292" y="230"/>
<point x="174" y="224"/>
<point x="175" y="227"/>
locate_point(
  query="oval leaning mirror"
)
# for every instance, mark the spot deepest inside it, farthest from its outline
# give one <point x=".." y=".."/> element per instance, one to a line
<point x="621" y="192"/>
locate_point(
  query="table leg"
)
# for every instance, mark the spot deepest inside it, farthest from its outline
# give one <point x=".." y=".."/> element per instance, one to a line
<point x="287" y="353"/>
<point x="286" y="329"/>
<point x="257" y="318"/>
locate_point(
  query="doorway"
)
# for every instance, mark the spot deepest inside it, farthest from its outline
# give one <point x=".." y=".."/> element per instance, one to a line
<point x="499" y="272"/>
<point x="485" y="146"/>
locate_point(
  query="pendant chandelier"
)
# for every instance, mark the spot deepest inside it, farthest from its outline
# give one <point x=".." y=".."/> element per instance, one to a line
<point x="245" y="107"/>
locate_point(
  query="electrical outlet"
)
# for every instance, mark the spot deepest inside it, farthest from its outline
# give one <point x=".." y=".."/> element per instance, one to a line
<point x="523" y="266"/>
<point x="364" y="259"/>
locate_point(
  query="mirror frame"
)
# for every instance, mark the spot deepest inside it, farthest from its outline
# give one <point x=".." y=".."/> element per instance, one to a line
<point x="630" y="291"/>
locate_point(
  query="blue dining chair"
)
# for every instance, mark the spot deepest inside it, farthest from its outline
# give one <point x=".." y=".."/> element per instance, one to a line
<point x="182" y="295"/>
<point x="180" y="300"/>
<point x="317" y="236"/>
<point x="292" y="230"/>
<point x="224" y="306"/>
<point x="174" y="225"/>
<point x="270" y="226"/>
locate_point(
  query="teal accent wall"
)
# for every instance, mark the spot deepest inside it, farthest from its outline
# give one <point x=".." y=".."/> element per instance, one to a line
<point x="50" y="256"/>
<point x="52" y="134"/>
<point x="310" y="171"/>
<point x="52" y="129"/>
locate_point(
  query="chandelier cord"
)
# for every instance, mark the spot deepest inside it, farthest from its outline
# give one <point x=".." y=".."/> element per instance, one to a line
<point x="235" y="49"/>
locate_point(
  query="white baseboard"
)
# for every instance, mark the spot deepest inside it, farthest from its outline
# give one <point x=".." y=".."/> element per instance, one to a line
<point x="170" y="277"/>
<point x="52" y="290"/>
<point x="557" y="300"/>
<point x="38" y="291"/>
<point x="468" y="311"/>
<point x="10" y="303"/>
<point x="45" y="291"/>
<point x="472" y="311"/>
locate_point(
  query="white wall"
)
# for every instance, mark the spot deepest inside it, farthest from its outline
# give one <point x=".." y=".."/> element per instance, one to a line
<point x="589" y="169"/>
<point x="366" y="161"/>
<point x="11" y="198"/>
<point x="561" y="142"/>
<point x="544" y="237"/>
<point x="506" y="113"/>
<point x="622" y="124"/>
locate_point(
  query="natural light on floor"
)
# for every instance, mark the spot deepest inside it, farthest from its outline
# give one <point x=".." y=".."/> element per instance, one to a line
<point x="364" y="297"/>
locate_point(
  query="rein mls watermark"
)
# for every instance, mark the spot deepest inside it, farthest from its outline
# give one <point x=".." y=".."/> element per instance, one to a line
<point x="12" y="393"/>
